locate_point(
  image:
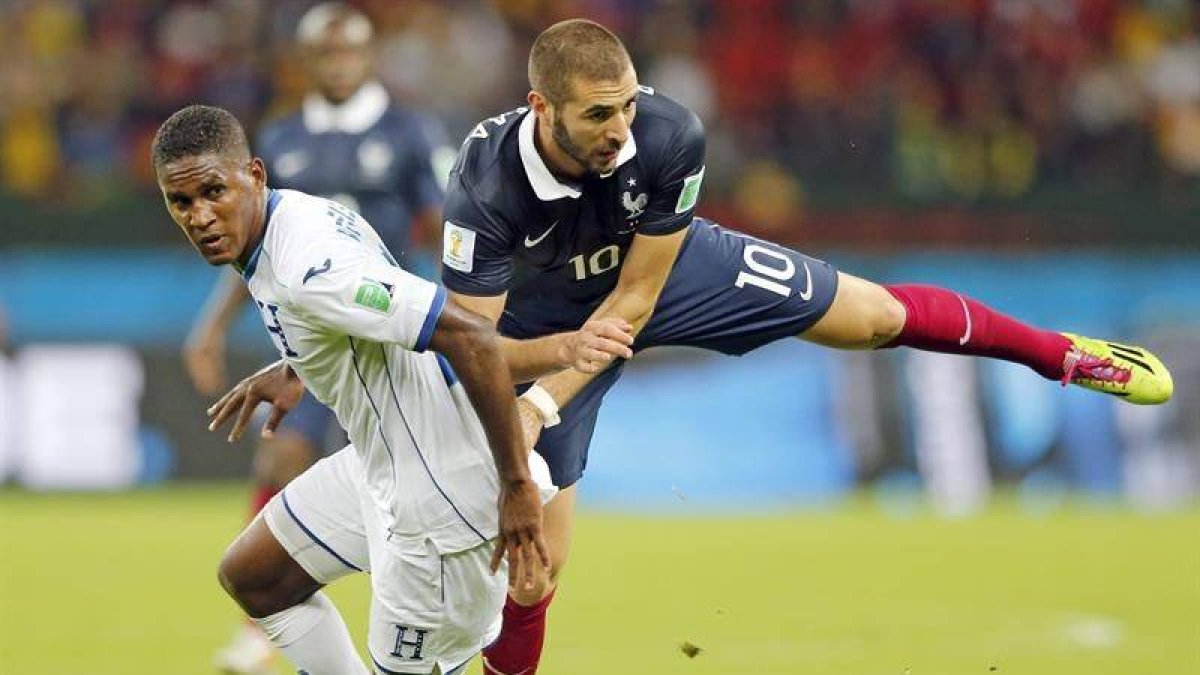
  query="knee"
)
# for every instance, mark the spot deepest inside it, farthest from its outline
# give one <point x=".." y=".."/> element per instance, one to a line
<point x="889" y="320"/>
<point x="532" y="595"/>
<point x="246" y="583"/>
<point x="233" y="576"/>
<point x="544" y="585"/>
<point x="260" y="585"/>
<point x="880" y="317"/>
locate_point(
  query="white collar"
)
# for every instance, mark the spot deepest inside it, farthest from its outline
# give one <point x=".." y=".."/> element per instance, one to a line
<point x="545" y="185"/>
<point x="353" y="116"/>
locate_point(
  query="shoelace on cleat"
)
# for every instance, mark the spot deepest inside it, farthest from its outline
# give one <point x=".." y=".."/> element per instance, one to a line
<point x="1080" y="365"/>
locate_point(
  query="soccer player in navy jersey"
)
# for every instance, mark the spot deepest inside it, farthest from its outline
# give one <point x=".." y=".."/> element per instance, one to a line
<point x="350" y="143"/>
<point x="570" y="223"/>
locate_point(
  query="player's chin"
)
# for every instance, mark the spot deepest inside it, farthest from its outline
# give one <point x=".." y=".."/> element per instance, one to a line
<point x="605" y="164"/>
<point x="217" y="258"/>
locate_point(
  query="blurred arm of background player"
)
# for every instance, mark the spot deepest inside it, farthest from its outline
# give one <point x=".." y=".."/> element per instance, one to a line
<point x="204" y="350"/>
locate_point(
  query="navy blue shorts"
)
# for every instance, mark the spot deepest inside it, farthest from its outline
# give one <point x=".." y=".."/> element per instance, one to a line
<point x="729" y="293"/>
<point x="312" y="420"/>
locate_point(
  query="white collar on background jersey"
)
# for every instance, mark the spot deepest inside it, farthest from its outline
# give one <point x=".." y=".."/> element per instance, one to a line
<point x="353" y="116"/>
<point x="545" y="185"/>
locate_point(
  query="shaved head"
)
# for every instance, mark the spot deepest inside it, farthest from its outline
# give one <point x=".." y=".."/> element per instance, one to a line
<point x="200" y="130"/>
<point x="575" y="48"/>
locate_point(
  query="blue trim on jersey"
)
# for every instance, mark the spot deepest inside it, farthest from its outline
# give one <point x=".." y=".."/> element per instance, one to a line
<point x="290" y="512"/>
<point x="447" y="372"/>
<point x="459" y="668"/>
<point x="273" y="199"/>
<point x="429" y="472"/>
<point x="371" y="400"/>
<point x="431" y="319"/>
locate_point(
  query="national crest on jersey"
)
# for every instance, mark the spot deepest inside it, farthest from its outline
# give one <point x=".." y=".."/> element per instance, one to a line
<point x="556" y="247"/>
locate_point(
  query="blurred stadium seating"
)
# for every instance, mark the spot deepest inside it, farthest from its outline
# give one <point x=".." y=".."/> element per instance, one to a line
<point x="1043" y="155"/>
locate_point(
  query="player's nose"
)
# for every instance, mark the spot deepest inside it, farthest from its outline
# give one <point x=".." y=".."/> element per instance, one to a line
<point x="201" y="217"/>
<point x="618" y="129"/>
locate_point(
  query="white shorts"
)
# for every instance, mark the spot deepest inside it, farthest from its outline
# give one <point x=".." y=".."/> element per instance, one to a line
<point x="427" y="610"/>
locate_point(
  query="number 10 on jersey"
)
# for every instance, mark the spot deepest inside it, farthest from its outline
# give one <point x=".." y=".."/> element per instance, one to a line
<point x="597" y="263"/>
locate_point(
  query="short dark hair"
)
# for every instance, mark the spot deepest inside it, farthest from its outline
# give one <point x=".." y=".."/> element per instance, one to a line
<point x="570" y="49"/>
<point x="199" y="130"/>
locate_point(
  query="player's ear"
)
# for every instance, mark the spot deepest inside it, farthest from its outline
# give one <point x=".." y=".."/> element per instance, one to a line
<point x="538" y="104"/>
<point x="258" y="171"/>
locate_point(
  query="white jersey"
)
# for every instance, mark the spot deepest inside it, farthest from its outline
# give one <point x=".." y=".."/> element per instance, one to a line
<point x="354" y="327"/>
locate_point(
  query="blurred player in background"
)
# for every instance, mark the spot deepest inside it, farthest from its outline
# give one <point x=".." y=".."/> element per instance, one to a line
<point x="570" y="222"/>
<point x="438" y="485"/>
<point x="349" y="143"/>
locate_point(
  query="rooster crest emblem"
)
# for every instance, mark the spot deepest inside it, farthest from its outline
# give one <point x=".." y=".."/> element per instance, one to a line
<point x="634" y="206"/>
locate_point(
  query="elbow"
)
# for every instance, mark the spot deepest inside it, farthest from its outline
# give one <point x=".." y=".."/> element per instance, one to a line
<point x="476" y="340"/>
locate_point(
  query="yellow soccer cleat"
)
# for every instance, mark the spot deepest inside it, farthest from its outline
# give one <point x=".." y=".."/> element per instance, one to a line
<point x="1132" y="373"/>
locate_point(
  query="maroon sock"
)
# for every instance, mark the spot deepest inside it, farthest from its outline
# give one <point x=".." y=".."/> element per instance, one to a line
<point x="944" y="321"/>
<point x="519" y="648"/>
<point x="259" y="498"/>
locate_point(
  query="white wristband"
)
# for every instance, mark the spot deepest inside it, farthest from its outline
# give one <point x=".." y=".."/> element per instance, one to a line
<point x="544" y="404"/>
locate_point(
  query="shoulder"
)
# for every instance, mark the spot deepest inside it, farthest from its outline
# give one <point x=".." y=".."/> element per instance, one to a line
<point x="304" y="229"/>
<point x="409" y="125"/>
<point x="490" y="142"/>
<point x="279" y="130"/>
<point x="664" y="127"/>
<point x="489" y="164"/>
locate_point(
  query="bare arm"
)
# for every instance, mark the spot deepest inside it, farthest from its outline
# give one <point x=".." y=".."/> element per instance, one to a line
<point x="643" y="276"/>
<point x="204" y="351"/>
<point x="469" y="342"/>
<point x="595" y="342"/>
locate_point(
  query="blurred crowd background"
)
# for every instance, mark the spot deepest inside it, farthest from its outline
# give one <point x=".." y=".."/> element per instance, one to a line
<point x="1045" y="117"/>
<point x="1043" y="155"/>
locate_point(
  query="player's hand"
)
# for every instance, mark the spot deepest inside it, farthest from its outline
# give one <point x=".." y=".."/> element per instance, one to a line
<point x="276" y="384"/>
<point x="591" y="348"/>
<point x="521" y="537"/>
<point x="204" y="359"/>
<point x="531" y="422"/>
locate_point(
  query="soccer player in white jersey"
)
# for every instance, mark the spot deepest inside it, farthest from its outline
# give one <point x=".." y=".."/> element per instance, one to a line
<point x="435" y="440"/>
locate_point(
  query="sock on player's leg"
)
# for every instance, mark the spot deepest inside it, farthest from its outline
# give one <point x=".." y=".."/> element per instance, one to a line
<point x="944" y="321"/>
<point x="313" y="636"/>
<point x="259" y="498"/>
<point x="519" y="648"/>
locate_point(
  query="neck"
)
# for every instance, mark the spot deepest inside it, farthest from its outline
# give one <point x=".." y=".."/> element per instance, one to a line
<point x="258" y="226"/>
<point x="557" y="160"/>
<point x="335" y="101"/>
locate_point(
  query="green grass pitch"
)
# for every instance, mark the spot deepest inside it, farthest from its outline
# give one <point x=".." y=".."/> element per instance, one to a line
<point x="124" y="584"/>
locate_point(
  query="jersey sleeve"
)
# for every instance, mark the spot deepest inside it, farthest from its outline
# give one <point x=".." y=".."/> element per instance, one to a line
<point x="677" y="187"/>
<point x="477" y="247"/>
<point x="359" y="292"/>
<point x="423" y="180"/>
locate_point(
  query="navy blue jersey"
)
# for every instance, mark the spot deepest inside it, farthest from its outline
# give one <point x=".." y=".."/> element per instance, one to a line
<point x="556" y="248"/>
<point x="383" y="168"/>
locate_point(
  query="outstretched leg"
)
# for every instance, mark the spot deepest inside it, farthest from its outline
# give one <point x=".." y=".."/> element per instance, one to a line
<point x="865" y="315"/>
